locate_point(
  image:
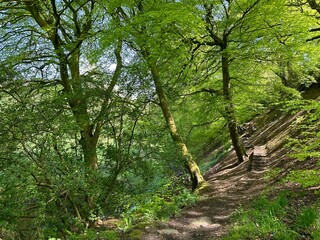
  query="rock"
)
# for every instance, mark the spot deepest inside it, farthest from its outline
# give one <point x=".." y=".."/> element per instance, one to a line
<point x="168" y="231"/>
<point x="204" y="222"/>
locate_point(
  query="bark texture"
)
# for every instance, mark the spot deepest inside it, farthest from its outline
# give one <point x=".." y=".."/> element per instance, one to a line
<point x="68" y="50"/>
<point x="221" y="41"/>
<point x="191" y="165"/>
<point x="229" y="109"/>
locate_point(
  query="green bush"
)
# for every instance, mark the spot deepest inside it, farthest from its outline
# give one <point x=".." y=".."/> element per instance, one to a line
<point x="160" y="205"/>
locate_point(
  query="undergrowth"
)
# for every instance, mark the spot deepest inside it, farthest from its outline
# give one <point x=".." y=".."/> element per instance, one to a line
<point x="285" y="217"/>
<point x="161" y="205"/>
<point x="142" y="209"/>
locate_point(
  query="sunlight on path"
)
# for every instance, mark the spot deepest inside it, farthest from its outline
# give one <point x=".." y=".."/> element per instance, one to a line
<point x="230" y="187"/>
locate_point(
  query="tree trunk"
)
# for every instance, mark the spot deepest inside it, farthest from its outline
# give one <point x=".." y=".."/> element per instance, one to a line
<point x="193" y="169"/>
<point x="229" y="109"/>
<point x="88" y="144"/>
<point x="69" y="65"/>
<point x="79" y="107"/>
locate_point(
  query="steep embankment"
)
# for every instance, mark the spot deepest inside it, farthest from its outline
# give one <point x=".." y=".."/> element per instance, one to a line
<point x="232" y="187"/>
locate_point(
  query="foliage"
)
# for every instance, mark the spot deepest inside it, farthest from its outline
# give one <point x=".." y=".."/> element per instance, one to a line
<point x="160" y="205"/>
<point x="306" y="145"/>
<point x="272" y="218"/>
<point x="264" y="220"/>
<point x="307" y="219"/>
<point x="307" y="178"/>
<point x="74" y="87"/>
<point x="95" y="234"/>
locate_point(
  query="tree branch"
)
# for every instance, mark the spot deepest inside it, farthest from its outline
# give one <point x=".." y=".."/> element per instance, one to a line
<point x="313" y="38"/>
<point x="204" y="90"/>
<point x="108" y="92"/>
<point x="244" y="14"/>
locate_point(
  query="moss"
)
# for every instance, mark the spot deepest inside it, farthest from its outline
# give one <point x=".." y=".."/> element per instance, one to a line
<point x="202" y="188"/>
<point x="135" y="234"/>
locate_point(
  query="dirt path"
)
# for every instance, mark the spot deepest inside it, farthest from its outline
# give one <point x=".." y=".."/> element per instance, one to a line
<point x="228" y="190"/>
<point x="230" y="187"/>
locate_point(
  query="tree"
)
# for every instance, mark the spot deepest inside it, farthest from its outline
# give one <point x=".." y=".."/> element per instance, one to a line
<point x="67" y="40"/>
<point x="226" y="23"/>
<point x="236" y="37"/>
<point x="54" y="35"/>
<point x="66" y="26"/>
<point x="150" y="52"/>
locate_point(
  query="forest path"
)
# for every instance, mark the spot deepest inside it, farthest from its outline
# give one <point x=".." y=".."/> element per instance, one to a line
<point x="228" y="190"/>
<point x="230" y="187"/>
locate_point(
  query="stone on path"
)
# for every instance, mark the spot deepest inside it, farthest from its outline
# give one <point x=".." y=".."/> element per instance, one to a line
<point x="204" y="222"/>
<point x="260" y="151"/>
<point x="168" y="231"/>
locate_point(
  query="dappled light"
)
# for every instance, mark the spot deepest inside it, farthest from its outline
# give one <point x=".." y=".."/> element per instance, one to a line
<point x="130" y="120"/>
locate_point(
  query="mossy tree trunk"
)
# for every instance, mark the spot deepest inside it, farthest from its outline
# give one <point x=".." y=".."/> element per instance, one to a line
<point x="192" y="167"/>
<point x="142" y="46"/>
<point x="67" y="48"/>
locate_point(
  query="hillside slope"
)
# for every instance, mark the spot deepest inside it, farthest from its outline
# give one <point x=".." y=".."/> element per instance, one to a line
<point x="231" y="187"/>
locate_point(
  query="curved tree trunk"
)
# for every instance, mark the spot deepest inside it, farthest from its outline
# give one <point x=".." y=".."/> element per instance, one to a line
<point x="229" y="109"/>
<point x="192" y="167"/>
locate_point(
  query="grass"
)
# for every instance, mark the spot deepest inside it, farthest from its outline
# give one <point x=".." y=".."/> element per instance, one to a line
<point x="92" y="234"/>
<point x="281" y="218"/>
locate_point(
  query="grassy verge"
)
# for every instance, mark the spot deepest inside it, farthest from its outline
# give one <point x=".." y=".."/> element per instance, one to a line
<point x="288" y="216"/>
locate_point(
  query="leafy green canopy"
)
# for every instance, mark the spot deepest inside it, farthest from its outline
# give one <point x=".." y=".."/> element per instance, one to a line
<point x="46" y="190"/>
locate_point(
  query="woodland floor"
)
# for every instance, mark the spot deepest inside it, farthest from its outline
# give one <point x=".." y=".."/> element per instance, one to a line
<point x="209" y="218"/>
<point x="231" y="187"/>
